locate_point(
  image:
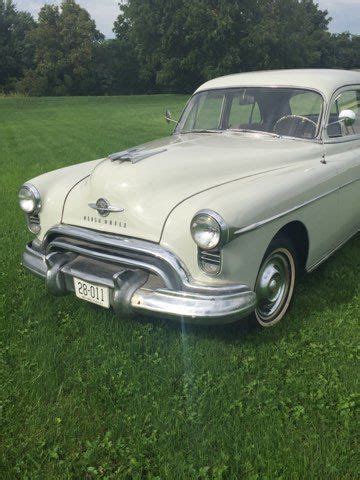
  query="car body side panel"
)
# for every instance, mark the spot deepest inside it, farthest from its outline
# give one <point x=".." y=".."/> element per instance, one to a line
<point x="346" y="155"/>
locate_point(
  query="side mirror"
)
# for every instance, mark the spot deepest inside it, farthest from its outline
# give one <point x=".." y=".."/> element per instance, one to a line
<point x="348" y="117"/>
<point x="168" y="116"/>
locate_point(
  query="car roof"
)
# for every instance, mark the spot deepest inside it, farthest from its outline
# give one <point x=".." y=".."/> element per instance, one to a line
<point x="326" y="81"/>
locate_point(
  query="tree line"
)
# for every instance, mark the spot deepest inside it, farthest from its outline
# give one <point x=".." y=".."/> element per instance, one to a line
<point x="163" y="45"/>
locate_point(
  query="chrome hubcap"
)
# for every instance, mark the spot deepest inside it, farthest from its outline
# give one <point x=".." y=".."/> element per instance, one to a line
<point x="273" y="286"/>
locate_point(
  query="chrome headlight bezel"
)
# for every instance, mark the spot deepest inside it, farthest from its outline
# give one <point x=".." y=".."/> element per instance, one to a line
<point x="215" y="222"/>
<point x="33" y="196"/>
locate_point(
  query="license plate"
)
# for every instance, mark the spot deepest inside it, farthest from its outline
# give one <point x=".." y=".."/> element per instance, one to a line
<point x="92" y="293"/>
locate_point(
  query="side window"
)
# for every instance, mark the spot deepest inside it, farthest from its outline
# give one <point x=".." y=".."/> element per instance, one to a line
<point x="306" y="104"/>
<point x="244" y="111"/>
<point x="349" y="100"/>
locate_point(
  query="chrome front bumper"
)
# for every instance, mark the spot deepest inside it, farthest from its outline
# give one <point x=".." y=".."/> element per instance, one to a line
<point x="147" y="290"/>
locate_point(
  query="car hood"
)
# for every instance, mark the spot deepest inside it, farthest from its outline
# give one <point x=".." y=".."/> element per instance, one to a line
<point x="148" y="182"/>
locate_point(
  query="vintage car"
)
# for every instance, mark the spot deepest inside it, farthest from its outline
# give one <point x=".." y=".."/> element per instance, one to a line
<point x="258" y="182"/>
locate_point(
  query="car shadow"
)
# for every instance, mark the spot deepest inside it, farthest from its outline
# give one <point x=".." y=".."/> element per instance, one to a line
<point x="334" y="283"/>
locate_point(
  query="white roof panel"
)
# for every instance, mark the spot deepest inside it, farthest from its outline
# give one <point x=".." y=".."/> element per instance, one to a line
<point x="325" y="81"/>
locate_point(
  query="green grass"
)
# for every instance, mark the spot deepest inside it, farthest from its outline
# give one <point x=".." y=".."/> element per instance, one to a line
<point x="85" y="394"/>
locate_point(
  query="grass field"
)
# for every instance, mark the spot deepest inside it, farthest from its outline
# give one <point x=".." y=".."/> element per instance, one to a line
<point x="87" y="395"/>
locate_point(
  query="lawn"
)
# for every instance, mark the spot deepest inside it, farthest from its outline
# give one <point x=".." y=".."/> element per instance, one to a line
<point x="85" y="394"/>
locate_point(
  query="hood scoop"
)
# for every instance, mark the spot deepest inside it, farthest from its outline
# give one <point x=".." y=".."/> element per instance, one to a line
<point x="135" y="155"/>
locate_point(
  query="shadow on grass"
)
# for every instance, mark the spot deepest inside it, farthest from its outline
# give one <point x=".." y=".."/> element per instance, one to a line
<point x="334" y="283"/>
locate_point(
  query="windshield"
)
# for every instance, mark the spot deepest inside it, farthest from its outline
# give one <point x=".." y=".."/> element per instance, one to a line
<point x="289" y="112"/>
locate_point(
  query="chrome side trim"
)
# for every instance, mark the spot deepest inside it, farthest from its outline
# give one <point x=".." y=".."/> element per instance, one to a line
<point x="347" y="139"/>
<point x="255" y="226"/>
<point x="110" y="208"/>
<point x="331" y="253"/>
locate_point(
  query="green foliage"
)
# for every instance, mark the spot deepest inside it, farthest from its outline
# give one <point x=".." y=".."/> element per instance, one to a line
<point x="181" y="43"/>
<point x="344" y="51"/>
<point x="65" y="42"/>
<point x="289" y="34"/>
<point x="16" y="53"/>
<point x="163" y="45"/>
<point x="89" y="395"/>
<point x="117" y="68"/>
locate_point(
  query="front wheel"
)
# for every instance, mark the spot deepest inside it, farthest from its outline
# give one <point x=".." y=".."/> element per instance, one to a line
<point x="275" y="282"/>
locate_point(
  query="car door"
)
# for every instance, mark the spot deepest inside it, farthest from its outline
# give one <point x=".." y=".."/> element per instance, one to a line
<point x="343" y="147"/>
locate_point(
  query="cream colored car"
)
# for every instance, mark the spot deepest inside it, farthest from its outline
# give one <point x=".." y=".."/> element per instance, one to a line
<point x="259" y="181"/>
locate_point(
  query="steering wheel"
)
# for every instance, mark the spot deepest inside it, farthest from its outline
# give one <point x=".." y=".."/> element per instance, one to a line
<point x="300" y="122"/>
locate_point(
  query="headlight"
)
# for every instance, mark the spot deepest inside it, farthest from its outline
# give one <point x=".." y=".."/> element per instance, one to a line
<point x="29" y="199"/>
<point x="208" y="230"/>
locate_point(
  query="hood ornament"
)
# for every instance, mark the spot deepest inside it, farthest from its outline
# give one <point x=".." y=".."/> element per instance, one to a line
<point x="104" y="208"/>
<point x="135" y="155"/>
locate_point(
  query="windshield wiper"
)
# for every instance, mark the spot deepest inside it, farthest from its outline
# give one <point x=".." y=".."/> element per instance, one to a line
<point x="248" y="130"/>
<point x="203" y="130"/>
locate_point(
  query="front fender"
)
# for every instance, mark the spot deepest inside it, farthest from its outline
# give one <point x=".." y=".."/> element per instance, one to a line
<point x="54" y="187"/>
<point x="249" y="201"/>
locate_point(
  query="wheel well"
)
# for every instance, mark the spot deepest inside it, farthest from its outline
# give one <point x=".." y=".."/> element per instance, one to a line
<point x="297" y="233"/>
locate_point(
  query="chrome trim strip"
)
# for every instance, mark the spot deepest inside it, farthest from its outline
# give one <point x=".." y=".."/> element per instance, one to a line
<point x="110" y="208"/>
<point x="179" y="273"/>
<point x="331" y="253"/>
<point x="67" y="247"/>
<point x="255" y="226"/>
<point x="340" y="140"/>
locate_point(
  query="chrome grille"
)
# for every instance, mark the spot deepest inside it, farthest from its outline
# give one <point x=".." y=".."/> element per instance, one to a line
<point x="34" y="219"/>
<point x="210" y="261"/>
<point x="33" y="223"/>
<point x="115" y="249"/>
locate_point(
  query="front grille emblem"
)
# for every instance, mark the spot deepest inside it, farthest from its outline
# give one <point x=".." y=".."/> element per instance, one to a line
<point x="104" y="208"/>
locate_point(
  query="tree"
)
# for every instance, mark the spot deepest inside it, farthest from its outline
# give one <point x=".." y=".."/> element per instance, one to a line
<point x="164" y="45"/>
<point x="181" y="43"/>
<point x="344" y="51"/>
<point x="118" y="64"/>
<point x="117" y="69"/>
<point x="65" y="42"/>
<point x="290" y="34"/>
<point x="16" y="53"/>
